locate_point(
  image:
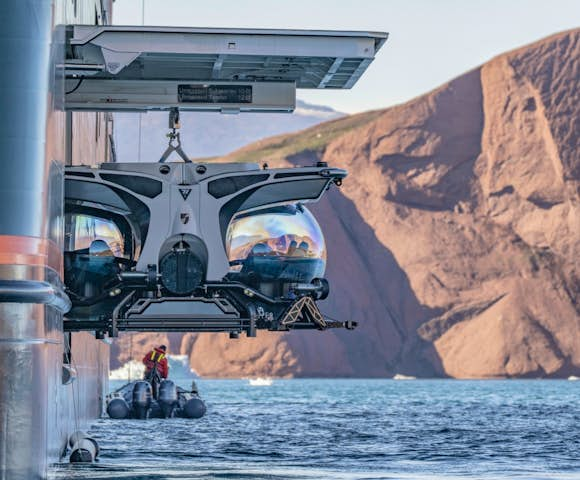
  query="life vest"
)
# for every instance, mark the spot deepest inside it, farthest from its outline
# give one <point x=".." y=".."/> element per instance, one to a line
<point x="156" y="356"/>
<point x="156" y="359"/>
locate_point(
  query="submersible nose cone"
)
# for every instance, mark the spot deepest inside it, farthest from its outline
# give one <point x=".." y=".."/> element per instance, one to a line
<point x="118" y="409"/>
<point x="194" y="408"/>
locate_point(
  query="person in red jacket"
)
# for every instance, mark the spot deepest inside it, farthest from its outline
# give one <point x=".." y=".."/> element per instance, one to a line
<point x="156" y="358"/>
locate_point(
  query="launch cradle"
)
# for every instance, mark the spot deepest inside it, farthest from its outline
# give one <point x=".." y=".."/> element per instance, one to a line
<point x="199" y="247"/>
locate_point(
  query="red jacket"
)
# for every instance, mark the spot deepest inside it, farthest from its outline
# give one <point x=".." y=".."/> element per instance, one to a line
<point x="156" y="355"/>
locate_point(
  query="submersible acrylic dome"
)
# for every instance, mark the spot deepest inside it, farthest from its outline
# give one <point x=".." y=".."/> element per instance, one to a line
<point x="277" y="244"/>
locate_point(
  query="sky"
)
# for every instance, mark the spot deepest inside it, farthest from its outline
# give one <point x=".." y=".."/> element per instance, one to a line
<point x="430" y="41"/>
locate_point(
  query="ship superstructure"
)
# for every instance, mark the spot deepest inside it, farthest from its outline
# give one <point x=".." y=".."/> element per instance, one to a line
<point x="103" y="247"/>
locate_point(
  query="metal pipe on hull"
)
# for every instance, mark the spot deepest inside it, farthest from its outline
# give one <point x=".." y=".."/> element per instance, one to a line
<point x="25" y="42"/>
<point x="30" y="239"/>
<point x="23" y="392"/>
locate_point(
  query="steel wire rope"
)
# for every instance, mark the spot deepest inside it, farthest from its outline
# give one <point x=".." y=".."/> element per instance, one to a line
<point x="139" y="159"/>
<point x="131" y="357"/>
<point x="68" y="337"/>
<point x="75" y="88"/>
<point x="68" y="348"/>
<point x="141" y="113"/>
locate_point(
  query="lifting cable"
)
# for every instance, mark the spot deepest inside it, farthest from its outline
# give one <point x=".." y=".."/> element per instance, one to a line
<point x="68" y="350"/>
<point x="141" y="113"/>
<point x="76" y="87"/>
<point x="131" y="357"/>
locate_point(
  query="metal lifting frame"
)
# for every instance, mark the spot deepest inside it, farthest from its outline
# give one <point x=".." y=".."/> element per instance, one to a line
<point x="302" y="314"/>
<point x="174" y="136"/>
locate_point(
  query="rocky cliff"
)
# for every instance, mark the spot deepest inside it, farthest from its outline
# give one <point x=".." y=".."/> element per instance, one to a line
<point x="455" y="238"/>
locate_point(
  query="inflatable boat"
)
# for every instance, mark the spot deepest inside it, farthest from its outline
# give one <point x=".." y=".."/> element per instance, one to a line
<point x="140" y="400"/>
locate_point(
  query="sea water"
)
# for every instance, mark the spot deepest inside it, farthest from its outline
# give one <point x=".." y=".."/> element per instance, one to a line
<point x="352" y="429"/>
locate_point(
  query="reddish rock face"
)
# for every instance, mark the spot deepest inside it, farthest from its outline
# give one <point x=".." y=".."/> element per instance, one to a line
<point x="455" y="240"/>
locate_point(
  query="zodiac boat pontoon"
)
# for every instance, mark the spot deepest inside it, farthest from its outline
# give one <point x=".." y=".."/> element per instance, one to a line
<point x="198" y="247"/>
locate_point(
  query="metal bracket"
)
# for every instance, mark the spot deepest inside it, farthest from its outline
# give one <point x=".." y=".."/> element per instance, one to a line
<point x="174" y="125"/>
<point x="304" y="308"/>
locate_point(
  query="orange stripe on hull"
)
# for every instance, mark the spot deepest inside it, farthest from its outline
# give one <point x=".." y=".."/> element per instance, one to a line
<point x="20" y="250"/>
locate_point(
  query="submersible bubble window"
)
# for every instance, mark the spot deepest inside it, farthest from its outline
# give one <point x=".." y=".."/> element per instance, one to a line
<point x="86" y="229"/>
<point x="286" y="232"/>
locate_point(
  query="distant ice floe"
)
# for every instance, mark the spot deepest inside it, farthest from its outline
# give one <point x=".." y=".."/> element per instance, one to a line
<point x="260" y="382"/>
<point x="129" y="371"/>
<point x="400" y="376"/>
<point x="573" y="378"/>
<point x="134" y="369"/>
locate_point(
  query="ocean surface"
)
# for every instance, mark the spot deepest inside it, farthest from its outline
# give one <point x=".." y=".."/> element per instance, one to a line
<point x="352" y="429"/>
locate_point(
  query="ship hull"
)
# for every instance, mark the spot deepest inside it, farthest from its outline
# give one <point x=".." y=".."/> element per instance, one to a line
<point x="51" y="383"/>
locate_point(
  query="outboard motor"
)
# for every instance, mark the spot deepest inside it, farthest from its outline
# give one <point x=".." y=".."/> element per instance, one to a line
<point x="117" y="408"/>
<point x="167" y="399"/>
<point x="141" y="399"/>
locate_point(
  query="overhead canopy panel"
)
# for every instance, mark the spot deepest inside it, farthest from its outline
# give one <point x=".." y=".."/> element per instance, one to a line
<point x="230" y="70"/>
